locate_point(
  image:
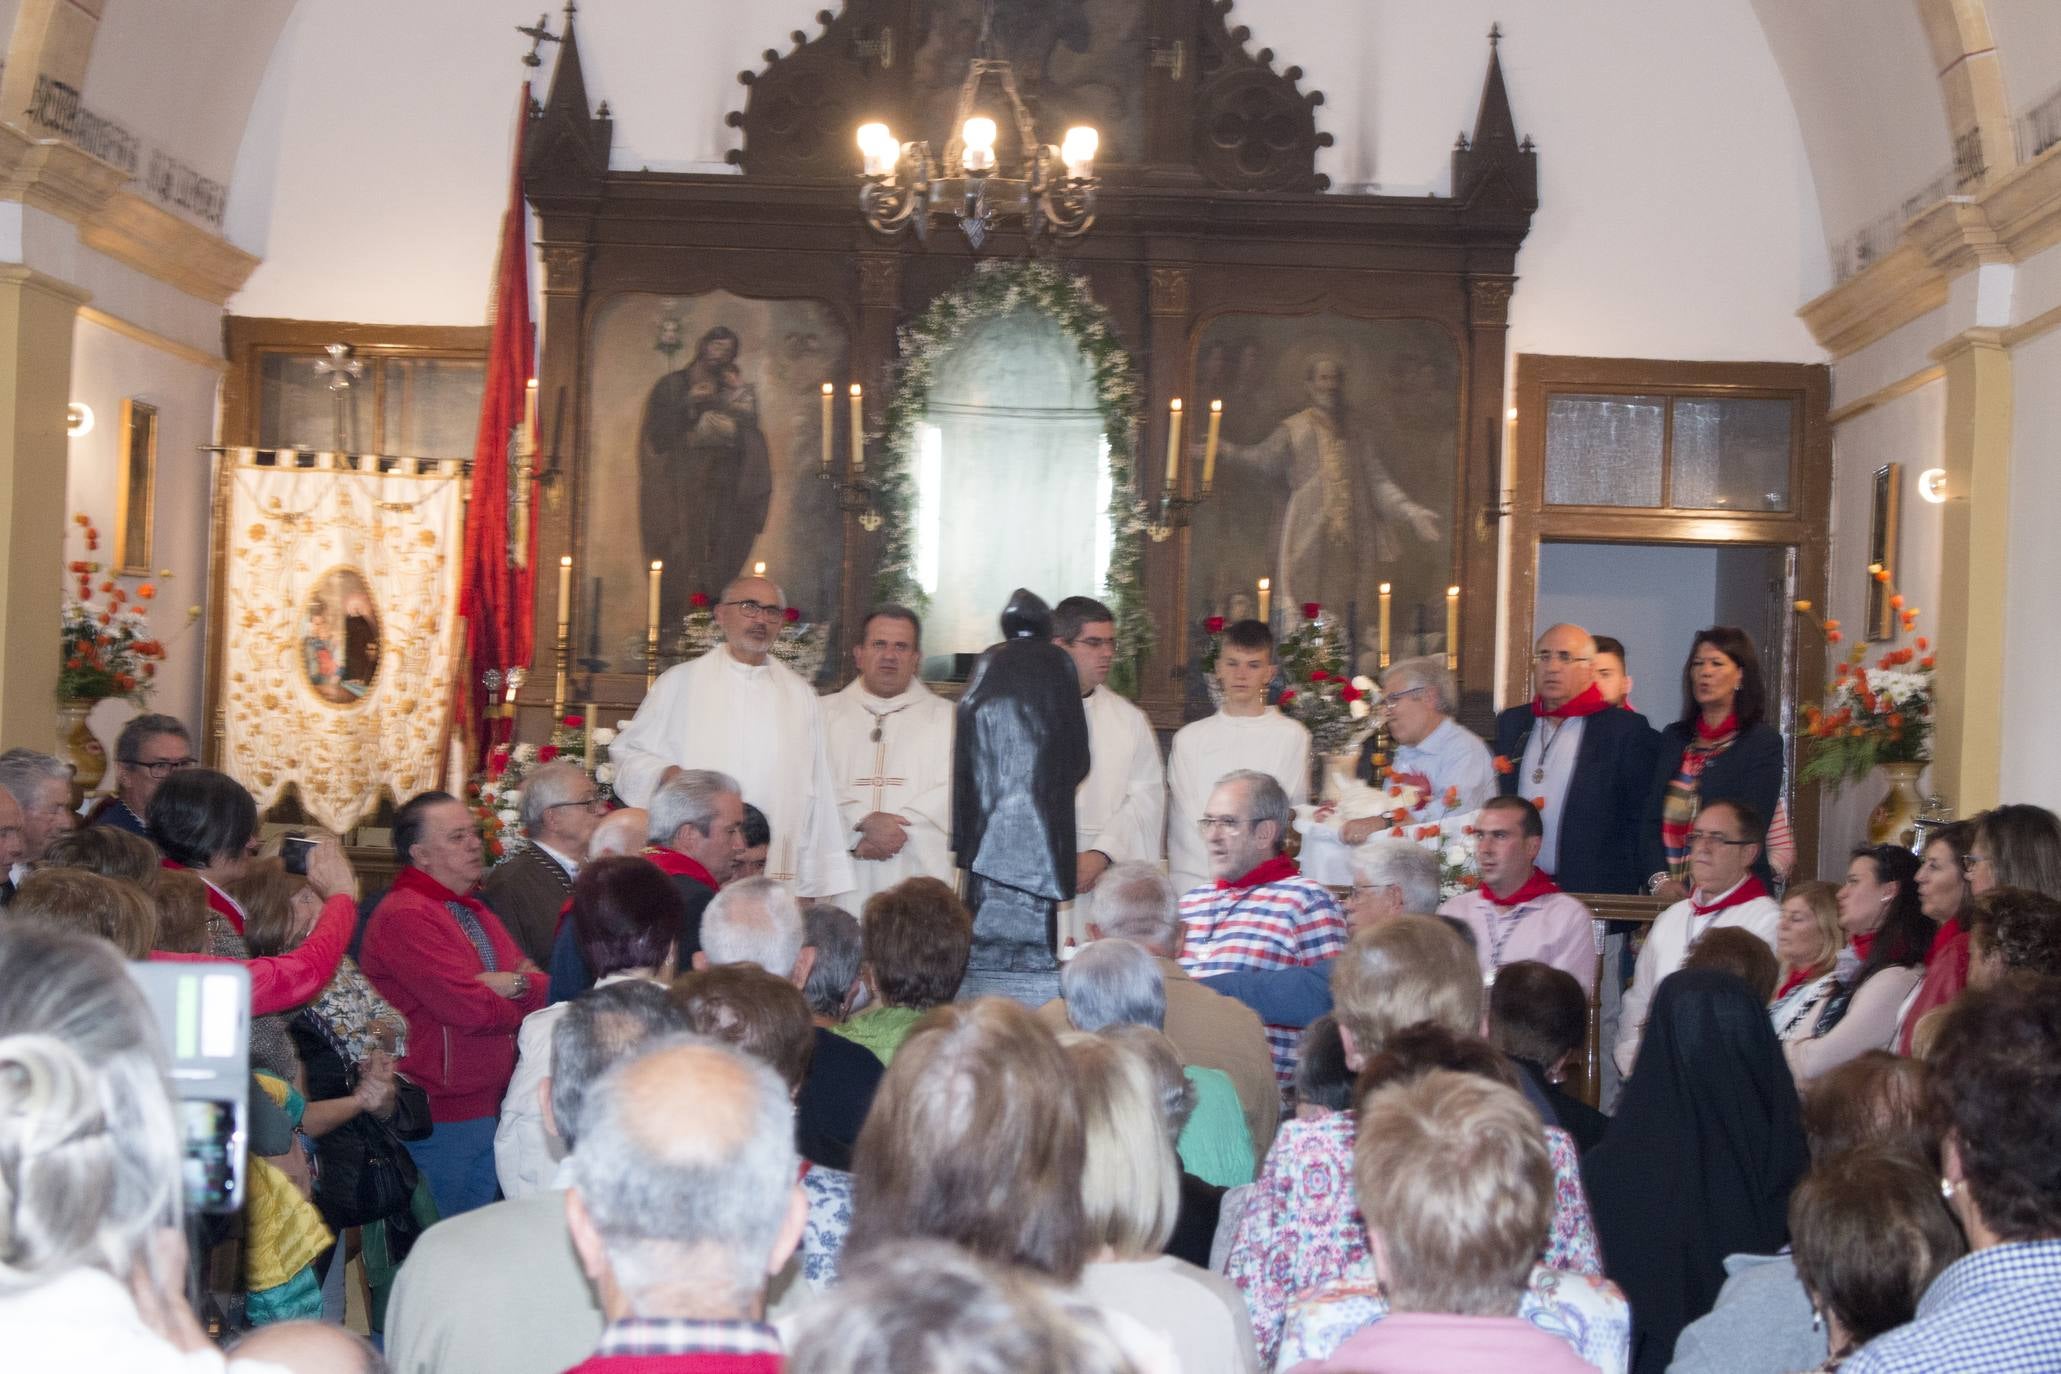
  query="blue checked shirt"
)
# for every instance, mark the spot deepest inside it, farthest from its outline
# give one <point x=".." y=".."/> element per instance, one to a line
<point x="1997" y="1311"/>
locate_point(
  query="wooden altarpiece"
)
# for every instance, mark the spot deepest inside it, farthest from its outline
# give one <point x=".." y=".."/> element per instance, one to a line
<point x="1210" y="205"/>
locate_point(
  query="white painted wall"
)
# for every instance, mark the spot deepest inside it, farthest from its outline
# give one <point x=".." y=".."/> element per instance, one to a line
<point x="385" y="210"/>
<point x="1911" y="431"/>
<point x="2028" y="39"/>
<point x="106" y="368"/>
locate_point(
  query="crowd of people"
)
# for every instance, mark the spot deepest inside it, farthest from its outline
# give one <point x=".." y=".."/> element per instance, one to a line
<point x="640" y="1099"/>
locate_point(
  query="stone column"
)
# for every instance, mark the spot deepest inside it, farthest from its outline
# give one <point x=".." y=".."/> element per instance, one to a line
<point x="37" y="316"/>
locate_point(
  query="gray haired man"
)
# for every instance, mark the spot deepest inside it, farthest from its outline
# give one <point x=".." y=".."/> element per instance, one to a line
<point x="1134" y="903"/>
<point x="695" y="824"/>
<point x="559" y="809"/>
<point x="501" y="1287"/>
<point x="150" y="749"/>
<point x="42" y="787"/>
<point x="685" y="1201"/>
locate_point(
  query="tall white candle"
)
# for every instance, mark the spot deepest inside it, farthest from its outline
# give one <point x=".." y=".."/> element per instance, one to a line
<point x="1173" y="445"/>
<point x="564" y="591"/>
<point x="858" y="429"/>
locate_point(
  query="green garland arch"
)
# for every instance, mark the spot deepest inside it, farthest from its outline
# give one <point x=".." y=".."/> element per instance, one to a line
<point x="996" y="289"/>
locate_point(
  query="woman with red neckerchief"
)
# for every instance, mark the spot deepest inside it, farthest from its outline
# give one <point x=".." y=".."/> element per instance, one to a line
<point x="1721" y="748"/>
<point x="1887" y="936"/>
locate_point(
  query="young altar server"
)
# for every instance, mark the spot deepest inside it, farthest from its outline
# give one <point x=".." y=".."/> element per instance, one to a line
<point x="1120" y="811"/>
<point x="1246" y="733"/>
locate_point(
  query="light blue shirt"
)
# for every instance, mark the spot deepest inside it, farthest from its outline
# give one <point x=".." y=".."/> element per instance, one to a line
<point x="1452" y="756"/>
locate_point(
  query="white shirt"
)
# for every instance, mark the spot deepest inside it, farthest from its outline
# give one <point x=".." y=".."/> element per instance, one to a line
<point x="527" y="1156"/>
<point x="1453" y="756"/>
<point x="907" y="772"/>
<point x="1667" y="947"/>
<point x="1204" y="752"/>
<point x="1121" y="808"/>
<point x="1552" y="746"/>
<point x="761" y="724"/>
<point x="564" y="861"/>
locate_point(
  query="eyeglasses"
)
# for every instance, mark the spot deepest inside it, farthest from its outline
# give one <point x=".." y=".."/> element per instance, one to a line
<point x="1970" y="861"/>
<point x="1545" y="658"/>
<point x="1095" y="641"/>
<point x="158" y="768"/>
<point x="1714" y="839"/>
<point x="1210" y="825"/>
<point x="1392" y="698"/>
<point x="591" y="803"/>
<point x="756" y="610"/>
<point x="1372" y="889"/>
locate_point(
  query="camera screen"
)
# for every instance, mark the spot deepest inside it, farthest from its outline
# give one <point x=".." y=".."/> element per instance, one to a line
<point x="202" y="1012"/>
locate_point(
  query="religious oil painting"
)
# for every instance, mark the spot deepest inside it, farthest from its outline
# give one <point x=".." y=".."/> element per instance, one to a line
<point x="136" y="494"/>
<point x="1882" y="531"/>
<point x="340" y="637"/>
<point x="706" y="441"/>
<point x="1336" y="473"/>
<point x="1076" y="62"/>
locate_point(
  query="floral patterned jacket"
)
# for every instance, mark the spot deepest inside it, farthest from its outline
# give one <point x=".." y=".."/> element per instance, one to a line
<point x="1302" y="1227"/>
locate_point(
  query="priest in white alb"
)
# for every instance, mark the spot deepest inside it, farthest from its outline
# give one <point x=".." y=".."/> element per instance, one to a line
<point x="738" y="710"/>
<point x="890" y="743"/>
<point x="1246" y="733"/>
<point x="1120" y="811"/>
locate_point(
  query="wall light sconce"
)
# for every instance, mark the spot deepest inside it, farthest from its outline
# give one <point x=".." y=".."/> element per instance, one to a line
<point x="1932" y="485"/>
<point x="78" y="419"/>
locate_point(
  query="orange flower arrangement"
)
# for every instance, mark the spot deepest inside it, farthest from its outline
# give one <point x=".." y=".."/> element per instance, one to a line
<point x="107" y="648"/>
<point x="1873" y="713"/>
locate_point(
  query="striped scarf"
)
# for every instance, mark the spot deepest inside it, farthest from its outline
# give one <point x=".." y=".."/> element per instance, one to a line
<point x="1683" y="798"/>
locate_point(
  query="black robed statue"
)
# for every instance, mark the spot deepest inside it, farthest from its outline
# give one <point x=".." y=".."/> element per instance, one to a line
<point x="1020" y="753"/>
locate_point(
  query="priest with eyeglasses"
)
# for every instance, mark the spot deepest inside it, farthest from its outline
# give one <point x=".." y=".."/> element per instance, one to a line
<point x="738" y="710"/>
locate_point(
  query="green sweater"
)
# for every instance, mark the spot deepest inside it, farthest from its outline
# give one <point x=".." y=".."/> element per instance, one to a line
<point x="1216" y="1145"/>
<point x="881" y="1029"/>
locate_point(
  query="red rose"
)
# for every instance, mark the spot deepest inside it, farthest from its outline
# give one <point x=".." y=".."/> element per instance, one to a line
<point x="575" y="722"/>
<point x="1215" y="625"/>
<point x="698" y="600"/>
<point x="1350" y="694"/>
<point x="1319" y="675"/>
<point x="1310" y="609"/>
<point x="547" y="753"/>
<point x="1286" y="697"/>
<point x="792" y="615"/>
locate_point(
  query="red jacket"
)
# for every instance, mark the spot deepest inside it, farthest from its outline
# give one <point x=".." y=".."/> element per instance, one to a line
<point x="461" y="1033"/>
<point x="285" y="981"/>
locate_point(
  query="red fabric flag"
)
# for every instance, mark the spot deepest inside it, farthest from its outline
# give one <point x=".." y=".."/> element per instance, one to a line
<point x="495" y="594"/>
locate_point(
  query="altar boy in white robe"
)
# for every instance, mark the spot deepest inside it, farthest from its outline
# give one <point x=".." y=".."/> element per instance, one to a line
<point x="738" y="710"/>
<point x="1245" y="734"/>
<point x="890" y="742"/>
<point x="1120" y="811"/>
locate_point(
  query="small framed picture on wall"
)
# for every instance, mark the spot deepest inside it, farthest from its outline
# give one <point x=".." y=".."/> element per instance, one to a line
<point x="136" y="489"/>
<point x="1882" y="528"/>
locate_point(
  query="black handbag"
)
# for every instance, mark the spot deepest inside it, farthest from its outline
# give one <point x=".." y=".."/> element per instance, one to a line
<point x="410" y="1118"/>
<point x="363" y="1172"/>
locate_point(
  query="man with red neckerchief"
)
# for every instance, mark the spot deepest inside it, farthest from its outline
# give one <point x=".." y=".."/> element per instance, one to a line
<point x="1593" y="766"/>
<point x="1519" y="912"/>
<point x="1259" y="912"/>
<point x="696" y="828"/>
<point x="1723" y="846"/>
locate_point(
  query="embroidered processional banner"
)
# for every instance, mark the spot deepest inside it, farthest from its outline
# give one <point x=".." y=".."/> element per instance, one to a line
<point x="341" y="618"/>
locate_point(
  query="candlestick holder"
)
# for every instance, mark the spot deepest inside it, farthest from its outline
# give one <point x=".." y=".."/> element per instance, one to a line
<point x="1175" y="513"/>
<point x="564" y="664"/>
<point x="855" y="496"/>
<point x="650" y="656"/>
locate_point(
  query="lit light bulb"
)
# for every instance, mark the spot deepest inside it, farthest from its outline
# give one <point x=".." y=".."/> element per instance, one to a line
<point x="1932" y="485"/>
<point x="877" y="144"/>
<point x="979" y="137"/>
<point x="1077" y="151"/>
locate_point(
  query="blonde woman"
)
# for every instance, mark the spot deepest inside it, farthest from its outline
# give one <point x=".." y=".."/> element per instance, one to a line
<point x="1807" y="941"/>
<point x="1130" y="1195"/>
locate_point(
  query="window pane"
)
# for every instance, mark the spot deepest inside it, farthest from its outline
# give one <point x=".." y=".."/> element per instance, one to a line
<point x="432" y="408"/>
<point x="296" y="408"/>
<point x="1731" y="454"/>
<point x="1603" y="450"/>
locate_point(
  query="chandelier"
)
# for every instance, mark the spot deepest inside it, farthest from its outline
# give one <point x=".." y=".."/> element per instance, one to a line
<point x="1052" y="191"/>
